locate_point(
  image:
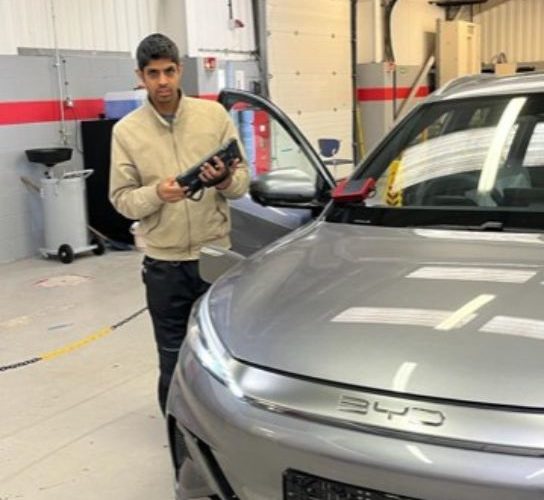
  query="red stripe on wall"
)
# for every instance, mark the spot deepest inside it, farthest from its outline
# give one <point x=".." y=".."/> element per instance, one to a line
<point x="85" y="109"/>
<point x="386" y="93"/>
<point x="18" y="112"/>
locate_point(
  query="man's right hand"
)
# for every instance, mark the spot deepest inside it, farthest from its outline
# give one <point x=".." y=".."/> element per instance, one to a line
<point x="170" y="191"/>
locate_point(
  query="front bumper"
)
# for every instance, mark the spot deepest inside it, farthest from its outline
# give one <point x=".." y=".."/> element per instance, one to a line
<point x="243" y="449"/>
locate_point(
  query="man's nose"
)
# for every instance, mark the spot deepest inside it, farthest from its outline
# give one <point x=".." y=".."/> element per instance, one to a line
<point x="162" y="78"/>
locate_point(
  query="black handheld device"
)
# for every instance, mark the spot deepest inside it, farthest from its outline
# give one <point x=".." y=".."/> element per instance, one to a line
<point x="227" y="153"/>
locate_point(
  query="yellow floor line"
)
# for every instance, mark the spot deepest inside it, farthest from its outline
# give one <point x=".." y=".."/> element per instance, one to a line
<point x="98" y="334"/>
<point x="76" y="345"/>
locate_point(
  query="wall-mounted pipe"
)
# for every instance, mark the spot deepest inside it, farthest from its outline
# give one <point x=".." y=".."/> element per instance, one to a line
<point x="388" y="39"/>
<point x="357" y="147"/>
<point x="259" y="21"/>
<point x="377" y="15"/>
<point x="388" y="48"/>
<point x="63" y="133"/>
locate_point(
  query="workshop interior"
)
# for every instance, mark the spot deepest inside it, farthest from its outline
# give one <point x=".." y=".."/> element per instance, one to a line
<point x="371" y="331"/>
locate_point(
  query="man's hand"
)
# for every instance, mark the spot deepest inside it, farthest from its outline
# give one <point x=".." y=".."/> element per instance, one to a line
<point x="211" y="173"/>
<point x="170" y="191"/>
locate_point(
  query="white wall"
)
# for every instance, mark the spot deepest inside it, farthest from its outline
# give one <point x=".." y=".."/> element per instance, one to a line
<point x="515" y="27"/>
<point x="200" y="27"/>
<point x="414" y="28"/>
<point x="413" y="31"/>
<point x="112" y="25"/>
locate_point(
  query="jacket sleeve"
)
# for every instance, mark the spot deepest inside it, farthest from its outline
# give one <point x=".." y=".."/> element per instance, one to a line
<point x="127" y="194"/>
<point x="240" y="179"/>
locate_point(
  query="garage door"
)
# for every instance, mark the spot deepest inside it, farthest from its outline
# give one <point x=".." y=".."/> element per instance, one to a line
<point x="309" y="66"/>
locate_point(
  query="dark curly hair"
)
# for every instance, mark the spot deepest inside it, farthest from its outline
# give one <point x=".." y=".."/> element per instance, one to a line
<point x="156" y="46"/>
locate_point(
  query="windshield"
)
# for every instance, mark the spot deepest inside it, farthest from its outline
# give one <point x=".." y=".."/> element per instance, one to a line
<point x="480" y="156"/>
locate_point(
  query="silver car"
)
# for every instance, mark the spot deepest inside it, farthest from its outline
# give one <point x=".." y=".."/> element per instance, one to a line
<point x="393" y="347"/>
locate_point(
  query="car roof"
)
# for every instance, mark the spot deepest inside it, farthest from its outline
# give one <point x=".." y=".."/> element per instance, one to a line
<point x="489" y="85"/>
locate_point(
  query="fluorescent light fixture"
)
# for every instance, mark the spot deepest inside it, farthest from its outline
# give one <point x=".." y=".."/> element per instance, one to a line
<point x="519" y="327"/>
<point x="492" y="274"/>
<point x="400" y="381"/>
<point x="396" y="316"/>
<point x="480" y="236"/>
<point x="535" y="149"/>
<point x="460" y="316"/>
<point x="535" y="474"/>
<point x="414" y="450"/>
<point x="495" y="151"/>
<point x="454" y="153"/>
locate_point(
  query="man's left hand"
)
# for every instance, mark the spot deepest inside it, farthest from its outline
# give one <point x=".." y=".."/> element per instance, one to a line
<point x="210" y="173"/>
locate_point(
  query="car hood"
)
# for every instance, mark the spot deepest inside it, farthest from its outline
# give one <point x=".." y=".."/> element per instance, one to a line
<point x="443" y="314"/>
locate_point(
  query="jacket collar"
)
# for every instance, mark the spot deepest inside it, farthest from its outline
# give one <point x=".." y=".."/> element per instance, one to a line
<point x="181" y="105"/>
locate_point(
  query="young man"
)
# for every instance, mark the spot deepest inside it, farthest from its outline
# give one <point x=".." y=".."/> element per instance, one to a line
<point x="150" y="146"/>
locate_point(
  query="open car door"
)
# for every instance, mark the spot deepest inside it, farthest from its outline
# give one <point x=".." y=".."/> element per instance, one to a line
<point x="290" y="183"/>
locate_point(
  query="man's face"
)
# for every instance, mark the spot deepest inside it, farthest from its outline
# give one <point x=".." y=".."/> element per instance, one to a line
<point x="161" y="78"/>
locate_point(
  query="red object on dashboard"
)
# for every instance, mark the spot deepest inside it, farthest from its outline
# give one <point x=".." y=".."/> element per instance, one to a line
<point x="352" y="190"/>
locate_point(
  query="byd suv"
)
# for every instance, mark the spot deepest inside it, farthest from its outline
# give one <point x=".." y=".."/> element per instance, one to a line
<point x="392" y="347"/>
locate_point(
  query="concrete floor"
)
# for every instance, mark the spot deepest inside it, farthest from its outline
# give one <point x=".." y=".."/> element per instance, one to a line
<point x="83" y="422"/>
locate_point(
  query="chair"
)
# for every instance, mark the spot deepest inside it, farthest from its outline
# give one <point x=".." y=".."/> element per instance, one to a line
<point x="328" y="148"/>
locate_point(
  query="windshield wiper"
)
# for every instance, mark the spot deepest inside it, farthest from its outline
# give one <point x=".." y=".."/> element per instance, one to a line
<point x="455" y="219"/>
<point x="490" y="225"/>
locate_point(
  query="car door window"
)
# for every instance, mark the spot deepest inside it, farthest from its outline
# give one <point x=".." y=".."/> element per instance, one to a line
<point x="272" y="143"/>
<point x="269" y="144"/>
<point x="285" y="154"/>
<point x="271" y="140"/>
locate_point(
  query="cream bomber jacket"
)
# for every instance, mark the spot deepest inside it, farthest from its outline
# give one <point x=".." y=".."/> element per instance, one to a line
<point x="146" y="149"/>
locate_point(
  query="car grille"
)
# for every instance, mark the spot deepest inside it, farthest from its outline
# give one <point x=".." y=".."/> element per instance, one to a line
<point x="301" y="486"/>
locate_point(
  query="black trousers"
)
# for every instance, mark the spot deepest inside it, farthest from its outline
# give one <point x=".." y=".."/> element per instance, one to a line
<point x="171" y="289"/>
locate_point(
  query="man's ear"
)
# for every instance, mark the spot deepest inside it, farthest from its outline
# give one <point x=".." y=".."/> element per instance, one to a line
<point x="139" y="74"/>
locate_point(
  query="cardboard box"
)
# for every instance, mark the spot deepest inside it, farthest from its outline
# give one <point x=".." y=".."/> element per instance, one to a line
<point x="503" y="69"/>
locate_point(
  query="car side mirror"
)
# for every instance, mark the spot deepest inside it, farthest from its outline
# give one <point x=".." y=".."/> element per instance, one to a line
<point x="285" y="188"/>
<point x="215" y="261"/>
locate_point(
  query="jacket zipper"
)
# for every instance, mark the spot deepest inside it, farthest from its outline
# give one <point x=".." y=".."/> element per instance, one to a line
<point x="186" y="205"/>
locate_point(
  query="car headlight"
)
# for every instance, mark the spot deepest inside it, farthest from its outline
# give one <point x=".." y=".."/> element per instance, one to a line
<point x="208" y="348"/>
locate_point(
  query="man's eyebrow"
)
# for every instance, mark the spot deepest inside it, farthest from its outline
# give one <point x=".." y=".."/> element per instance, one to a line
<point x="157" y="70"/>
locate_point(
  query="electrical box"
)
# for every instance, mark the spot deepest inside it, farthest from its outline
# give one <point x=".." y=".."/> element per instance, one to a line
<point x="458" y="50"/>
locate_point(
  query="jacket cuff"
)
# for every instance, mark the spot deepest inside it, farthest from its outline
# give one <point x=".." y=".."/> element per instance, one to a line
<point x="151" y="196"/>
<point x="235" y="189"/>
